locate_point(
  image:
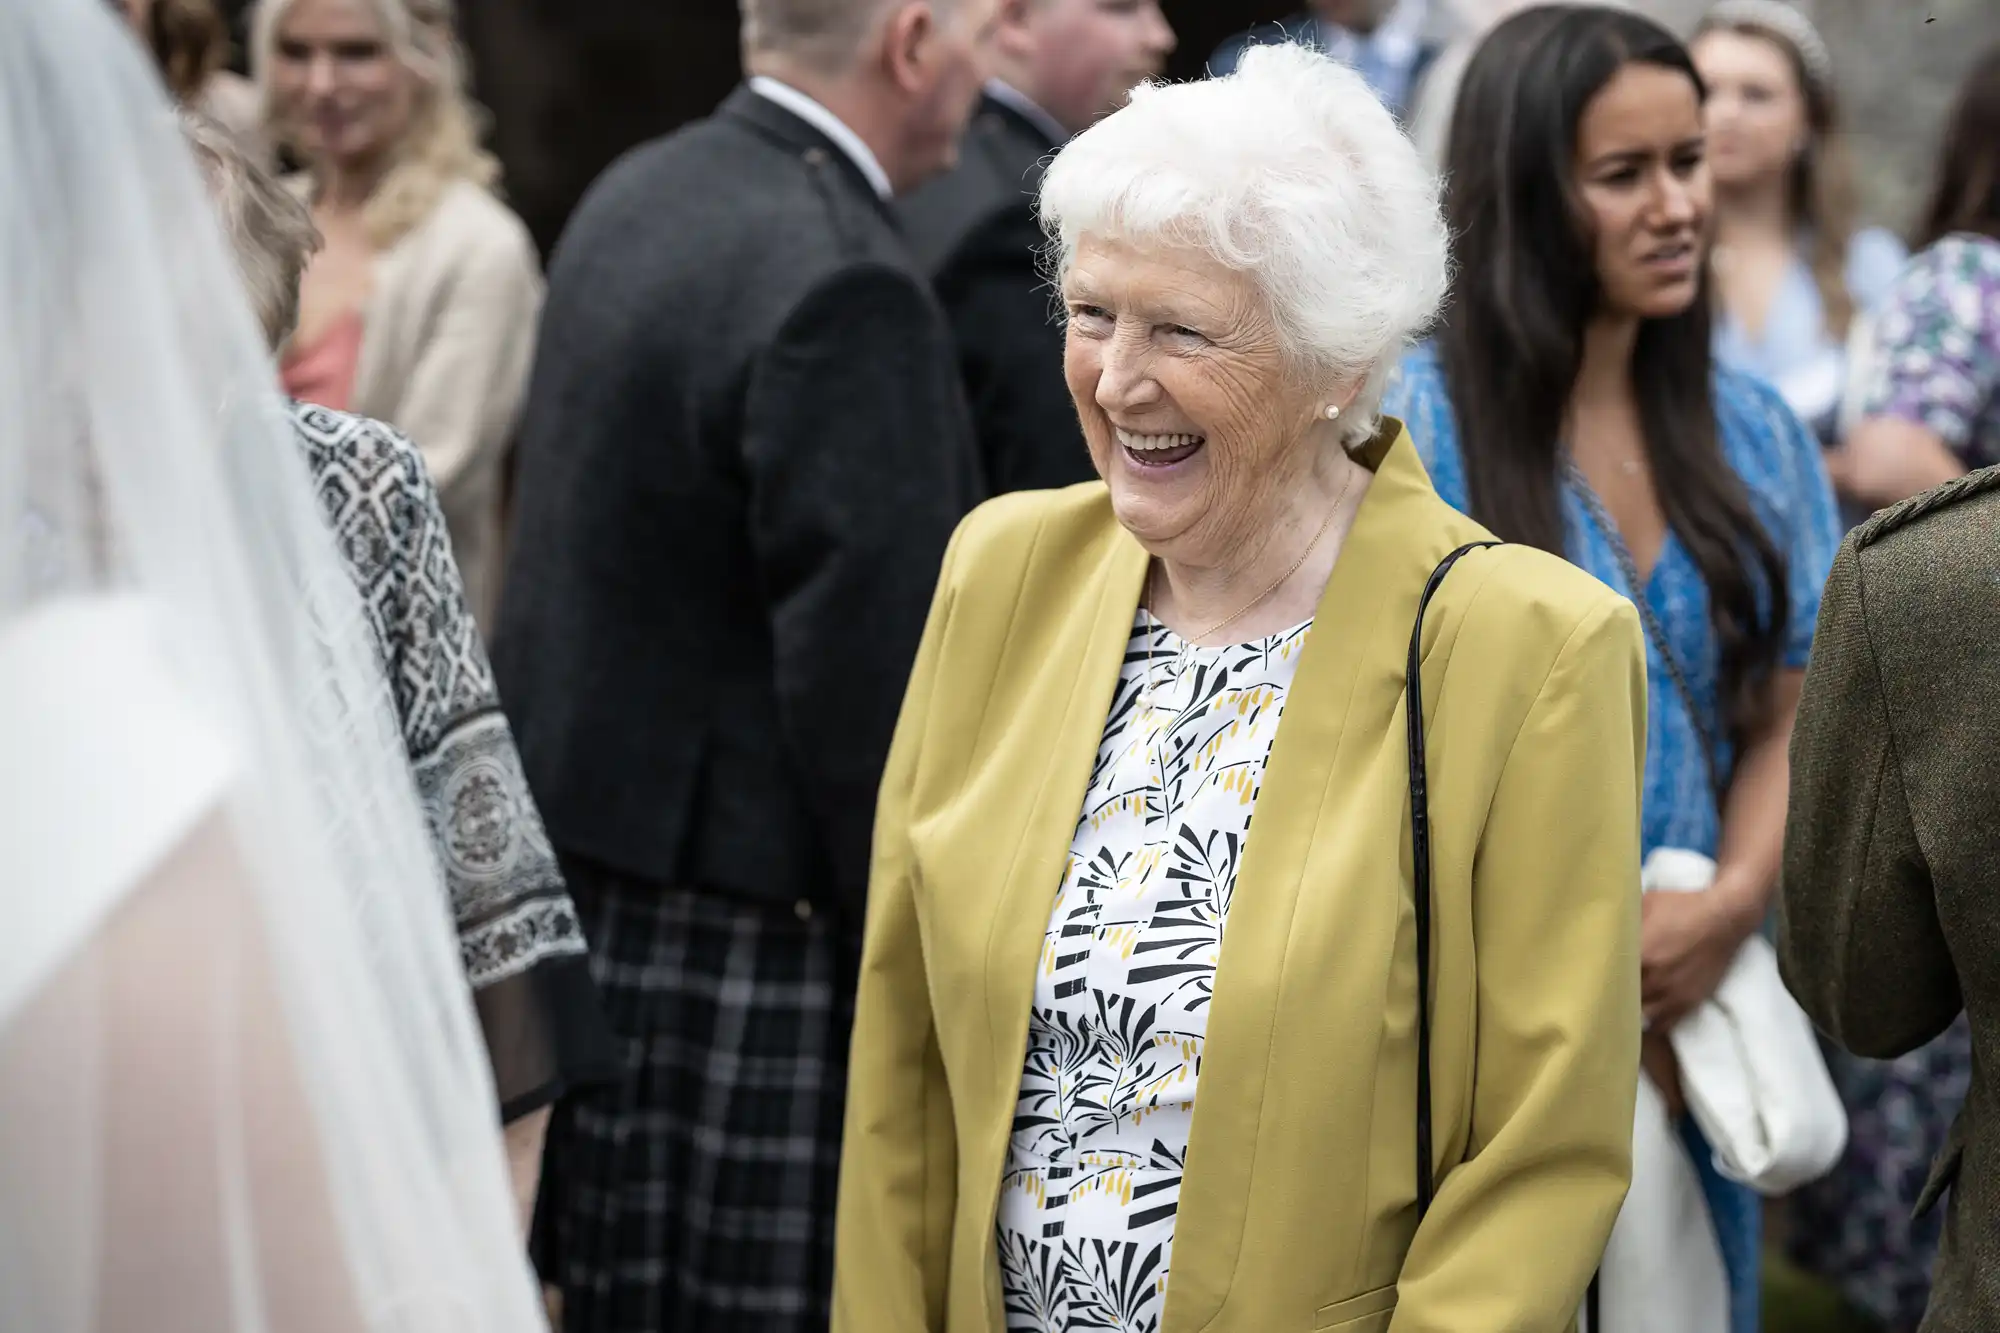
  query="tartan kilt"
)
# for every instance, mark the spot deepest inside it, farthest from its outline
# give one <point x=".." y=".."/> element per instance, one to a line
<point x="697" y="1194"/>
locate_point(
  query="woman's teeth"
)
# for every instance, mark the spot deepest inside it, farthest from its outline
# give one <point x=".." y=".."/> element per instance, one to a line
<point x="1146" y="444"/>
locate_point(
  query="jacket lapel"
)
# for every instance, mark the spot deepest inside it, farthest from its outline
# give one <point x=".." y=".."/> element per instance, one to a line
<point x="1076" y="675"/>
<point x="1338" y="714"/>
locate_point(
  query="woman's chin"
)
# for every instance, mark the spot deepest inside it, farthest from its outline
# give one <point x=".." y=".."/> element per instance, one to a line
<point x="1672" y="299"/>
<point x="1154" y="517"/>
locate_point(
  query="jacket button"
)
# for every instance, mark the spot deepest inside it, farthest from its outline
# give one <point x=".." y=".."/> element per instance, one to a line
<point x="803" y="910"/>
<point x="816" y="157"/>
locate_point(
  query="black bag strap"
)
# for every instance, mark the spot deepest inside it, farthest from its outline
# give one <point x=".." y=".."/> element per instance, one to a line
<point x="1420" y="874"/>
<point x="1420" y="866"/>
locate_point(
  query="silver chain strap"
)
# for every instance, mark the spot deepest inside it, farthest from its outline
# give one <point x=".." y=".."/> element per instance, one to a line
<point x="1654" y="629"/>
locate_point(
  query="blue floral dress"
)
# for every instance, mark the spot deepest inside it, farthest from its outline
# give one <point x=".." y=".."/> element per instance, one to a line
<point x="1779" y="463"/>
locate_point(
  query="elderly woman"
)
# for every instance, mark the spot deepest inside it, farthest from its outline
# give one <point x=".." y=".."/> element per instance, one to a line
<point x="1076" y="934"/>
<point x="519" y="937"/>
<point x="420" y="310"/>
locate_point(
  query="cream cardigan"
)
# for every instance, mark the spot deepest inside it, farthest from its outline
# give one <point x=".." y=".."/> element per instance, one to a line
<point x="447" y="339"/>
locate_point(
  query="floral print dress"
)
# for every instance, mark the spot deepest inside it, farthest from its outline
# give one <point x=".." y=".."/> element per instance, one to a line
<point x="1937" y="346"/>
<point x="1092" y="1183"/>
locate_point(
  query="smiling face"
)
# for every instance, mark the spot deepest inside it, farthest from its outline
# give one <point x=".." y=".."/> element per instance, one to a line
<point x="1182" y="387"/>
<point x="1757" y="117"/>
<point x="337" y="87"/>
<point x="1644" y="187"/>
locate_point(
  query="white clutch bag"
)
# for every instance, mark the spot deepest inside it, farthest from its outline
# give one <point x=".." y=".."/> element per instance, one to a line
<point x="1751" y="1068"/>
<point x="1754" y="1081"/>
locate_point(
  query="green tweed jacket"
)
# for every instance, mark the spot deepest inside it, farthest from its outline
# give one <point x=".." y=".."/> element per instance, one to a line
<point x="1890" y="917"/>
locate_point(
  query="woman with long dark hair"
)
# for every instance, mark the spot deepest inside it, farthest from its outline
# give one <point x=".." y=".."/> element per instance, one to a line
<point x="1570" y="401"/>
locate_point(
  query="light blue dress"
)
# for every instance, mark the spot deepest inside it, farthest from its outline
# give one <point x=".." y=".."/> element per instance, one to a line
<point x="1796" y="353"/>
<point x="1779" y="463"/>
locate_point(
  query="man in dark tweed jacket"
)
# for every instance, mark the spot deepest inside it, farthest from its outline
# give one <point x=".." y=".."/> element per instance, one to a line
<point x="1891" y="902"/>
<point x="743" y="452"/>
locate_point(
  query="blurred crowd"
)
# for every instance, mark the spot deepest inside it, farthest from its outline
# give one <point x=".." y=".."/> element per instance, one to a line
<point x="735" y="824"/>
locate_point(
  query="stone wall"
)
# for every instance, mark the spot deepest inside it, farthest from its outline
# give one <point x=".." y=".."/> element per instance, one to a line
<point x="1900" y="64"/>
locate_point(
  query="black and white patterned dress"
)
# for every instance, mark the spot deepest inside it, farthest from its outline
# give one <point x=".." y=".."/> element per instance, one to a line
<point x="1087" y="1205"/>
<point x="518" y="931"/>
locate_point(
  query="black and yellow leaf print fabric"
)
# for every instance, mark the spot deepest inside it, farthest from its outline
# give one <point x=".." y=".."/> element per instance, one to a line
<point x="1127" y="970"/>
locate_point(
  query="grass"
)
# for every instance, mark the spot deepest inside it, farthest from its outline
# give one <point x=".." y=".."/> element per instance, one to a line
<point x="1797" y="1303"/>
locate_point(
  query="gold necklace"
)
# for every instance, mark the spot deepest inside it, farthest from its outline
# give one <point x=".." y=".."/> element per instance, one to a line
<point x="1326" y="525"/>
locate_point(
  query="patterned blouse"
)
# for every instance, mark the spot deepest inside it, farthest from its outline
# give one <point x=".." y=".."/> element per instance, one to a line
<point x="519" y="936"/>
<point x="1087" y="1204"/>
<point x="1938" y="347"/>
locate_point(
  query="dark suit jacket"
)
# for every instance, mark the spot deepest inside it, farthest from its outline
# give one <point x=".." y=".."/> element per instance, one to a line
<point x="1891" y="906"/>
<point x="975" y="230"/>
<point x="743" y="453"/>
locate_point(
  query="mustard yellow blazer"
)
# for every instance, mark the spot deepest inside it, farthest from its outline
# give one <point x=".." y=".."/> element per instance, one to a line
<point x="1297" y="1208"/>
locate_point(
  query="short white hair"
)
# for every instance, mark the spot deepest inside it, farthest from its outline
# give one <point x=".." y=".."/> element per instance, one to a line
<point x="1289" y="170"/>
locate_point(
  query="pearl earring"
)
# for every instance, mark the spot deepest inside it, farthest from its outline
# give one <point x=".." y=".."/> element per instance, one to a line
<point x="1333" y="411"/>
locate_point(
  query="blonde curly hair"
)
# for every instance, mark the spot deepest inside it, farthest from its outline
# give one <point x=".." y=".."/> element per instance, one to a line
<point x="441" y="145"/>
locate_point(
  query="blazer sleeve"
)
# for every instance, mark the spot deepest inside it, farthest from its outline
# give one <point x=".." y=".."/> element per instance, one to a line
<point x="859" y="466"/>
<point x="1858" y="935"/>
<point x="471" y="372"/>
<point x="899" y="1156"/>
<point x="1556" y="924"/>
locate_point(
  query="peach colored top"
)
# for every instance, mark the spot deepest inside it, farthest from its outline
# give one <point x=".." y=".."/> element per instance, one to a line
<point x="323" y="372"/>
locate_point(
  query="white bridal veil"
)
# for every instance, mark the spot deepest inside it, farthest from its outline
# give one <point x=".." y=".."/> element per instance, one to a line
<point x="241" y="1087"/>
